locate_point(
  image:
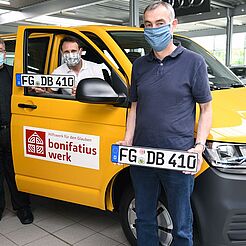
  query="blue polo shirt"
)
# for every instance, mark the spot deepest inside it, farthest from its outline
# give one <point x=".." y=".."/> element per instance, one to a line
<point x="166" y="93"/>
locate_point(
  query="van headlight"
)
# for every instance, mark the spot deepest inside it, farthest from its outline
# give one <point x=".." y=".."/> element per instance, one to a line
<point x="226" y="156"/>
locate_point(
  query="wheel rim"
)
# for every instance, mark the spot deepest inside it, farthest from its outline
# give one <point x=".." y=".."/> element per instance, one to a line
<point x="165" y="224"/>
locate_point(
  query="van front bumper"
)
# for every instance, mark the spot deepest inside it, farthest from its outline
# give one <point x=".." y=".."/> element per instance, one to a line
<point x="219" y="205"/>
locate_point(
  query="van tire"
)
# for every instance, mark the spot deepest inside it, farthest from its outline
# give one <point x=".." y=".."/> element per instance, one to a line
<point x="128" y="216"/>
<point x="125" y="203"/>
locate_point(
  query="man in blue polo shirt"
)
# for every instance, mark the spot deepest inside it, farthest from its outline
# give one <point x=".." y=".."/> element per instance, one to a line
<point x="166" y="85"/>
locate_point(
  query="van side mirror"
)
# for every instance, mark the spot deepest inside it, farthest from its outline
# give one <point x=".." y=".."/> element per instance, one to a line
<point x="96" y="90"/>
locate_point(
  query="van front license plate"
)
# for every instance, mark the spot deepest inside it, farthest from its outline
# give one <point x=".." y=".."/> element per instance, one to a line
<point x="42" y="80"/>
<point x="152" y="157"/>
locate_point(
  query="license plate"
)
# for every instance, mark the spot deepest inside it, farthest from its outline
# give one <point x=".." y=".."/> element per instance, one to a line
<point x="43" y="80"/>
<point x="153" y="157"/>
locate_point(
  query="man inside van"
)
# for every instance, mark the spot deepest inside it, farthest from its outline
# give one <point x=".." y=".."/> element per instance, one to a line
<point x="71" y="51"/>
<point x="166" y="85"/>
<point x="20" y="201"/>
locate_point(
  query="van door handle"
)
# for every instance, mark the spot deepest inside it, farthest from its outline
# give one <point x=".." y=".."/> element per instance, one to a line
<point x="23" y="105"/>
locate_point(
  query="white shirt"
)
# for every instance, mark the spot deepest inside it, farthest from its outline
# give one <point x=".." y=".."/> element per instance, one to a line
<point x="88" y="70"/>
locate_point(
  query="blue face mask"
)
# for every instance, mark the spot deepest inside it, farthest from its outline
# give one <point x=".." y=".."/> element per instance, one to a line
<point x="1" y="58"/>
<point x="158" y="37"/>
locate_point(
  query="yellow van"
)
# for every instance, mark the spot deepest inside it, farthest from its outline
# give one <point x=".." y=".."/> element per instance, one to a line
<point x="62" y="144"/>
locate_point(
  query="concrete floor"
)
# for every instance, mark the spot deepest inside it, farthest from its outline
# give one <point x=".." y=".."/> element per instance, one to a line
<point x="58" y="223"/>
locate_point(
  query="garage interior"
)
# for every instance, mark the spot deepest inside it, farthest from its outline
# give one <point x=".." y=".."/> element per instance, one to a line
<point x="60" y="223"/>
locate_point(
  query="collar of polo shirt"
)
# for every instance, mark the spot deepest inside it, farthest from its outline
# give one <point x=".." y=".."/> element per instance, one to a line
<point x="175" y="53"/>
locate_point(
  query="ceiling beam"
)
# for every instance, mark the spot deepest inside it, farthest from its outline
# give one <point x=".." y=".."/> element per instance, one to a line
<point x="106" y="20"/>
<point x="212" y="32"/>
<point x="4" y="7"/>
<point x="239" y="10"/>
<point x="221" y="5"/>
<point x="7" y="29"/>
<point x="213" y="14"/>
<point x="46" y="8"/>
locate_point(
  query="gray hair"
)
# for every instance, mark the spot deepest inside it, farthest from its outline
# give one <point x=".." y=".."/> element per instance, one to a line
<point x="156" y="4"/>
<point x="2" y="42"/>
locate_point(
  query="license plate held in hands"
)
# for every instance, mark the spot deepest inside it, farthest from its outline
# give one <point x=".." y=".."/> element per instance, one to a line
<point x="153" y="157"/>
<point x="44" y="80"/>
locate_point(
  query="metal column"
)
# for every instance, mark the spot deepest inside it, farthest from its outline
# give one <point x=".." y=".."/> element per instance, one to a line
<point x="229" y="32"/>
<point x="134" y="13"/>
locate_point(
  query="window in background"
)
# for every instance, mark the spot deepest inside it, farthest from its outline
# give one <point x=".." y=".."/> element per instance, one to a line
<point x="238" y="49"/>
<point x="214" y="44"/>
<point x="207" y="43"/>
<point x="217" y="46"/>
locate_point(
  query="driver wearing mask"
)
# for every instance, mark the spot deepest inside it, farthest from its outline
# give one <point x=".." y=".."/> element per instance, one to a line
<point x="74" y="65"/>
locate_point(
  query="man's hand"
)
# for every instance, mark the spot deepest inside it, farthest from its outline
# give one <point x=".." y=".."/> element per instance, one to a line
<point x="39" y="90"/>
<point x="198" y="149"/>
<point x="74" y="90"/>
<point x="123" y="142"/>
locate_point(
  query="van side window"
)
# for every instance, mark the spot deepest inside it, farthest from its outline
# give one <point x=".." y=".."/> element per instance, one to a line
<point x="132" y="53"/>
<point x="100" y="44"/>
<point x="10" y="49"/>
<point x="117" y="84"/>
<point x="108" y="72"/>
<point x="37" y="53"/>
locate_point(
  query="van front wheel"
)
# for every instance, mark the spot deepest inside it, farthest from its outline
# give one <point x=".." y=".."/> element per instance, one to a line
<point x="128" y="217"/>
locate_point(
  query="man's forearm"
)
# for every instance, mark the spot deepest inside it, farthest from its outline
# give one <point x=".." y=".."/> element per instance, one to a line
<point x="130" y="125"/>
<point x="204" y="122"/>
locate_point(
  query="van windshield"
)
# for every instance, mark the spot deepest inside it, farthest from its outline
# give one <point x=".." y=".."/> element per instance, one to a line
<point x="134" y="46"/>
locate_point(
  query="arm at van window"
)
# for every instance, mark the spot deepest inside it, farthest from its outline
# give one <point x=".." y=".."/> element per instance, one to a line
<point x="49" y="90"/>
<point x="39" y="90"/>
